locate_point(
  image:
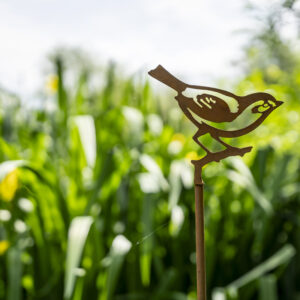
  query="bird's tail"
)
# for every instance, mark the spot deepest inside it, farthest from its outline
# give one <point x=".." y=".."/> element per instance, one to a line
<point x="161" y="74"/>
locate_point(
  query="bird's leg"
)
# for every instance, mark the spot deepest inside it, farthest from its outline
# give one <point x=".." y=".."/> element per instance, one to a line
<point x="239" y="151"/>
<point x="195" y="138"/>
<point x="223" y="143"/>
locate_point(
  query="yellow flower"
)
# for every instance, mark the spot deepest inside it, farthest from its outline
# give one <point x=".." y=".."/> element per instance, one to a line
<point x="9" y="186"/>
<point x="4" y="245"/>
<point x="178" y="137"/>
<point x="52" y="84"/>
<point x="192" y="156"/>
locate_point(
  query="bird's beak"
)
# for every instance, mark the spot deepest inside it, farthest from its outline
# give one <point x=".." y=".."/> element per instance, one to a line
<point x="278" y="103"/>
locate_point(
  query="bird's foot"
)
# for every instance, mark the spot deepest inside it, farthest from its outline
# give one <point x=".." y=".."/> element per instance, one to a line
<point x="240" y="151"/>
<point x="234" y="151"/>
<point x="217" y="156"/>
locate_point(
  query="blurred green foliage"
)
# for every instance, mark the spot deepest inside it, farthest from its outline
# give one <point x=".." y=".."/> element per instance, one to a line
<point x="96" y="190"/>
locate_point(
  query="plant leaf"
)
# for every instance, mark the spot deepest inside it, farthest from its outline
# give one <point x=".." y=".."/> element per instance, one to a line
<point x="78" y="232"/>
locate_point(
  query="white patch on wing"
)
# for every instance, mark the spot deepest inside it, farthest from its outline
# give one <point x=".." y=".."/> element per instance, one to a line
<point x="231" y="102"/>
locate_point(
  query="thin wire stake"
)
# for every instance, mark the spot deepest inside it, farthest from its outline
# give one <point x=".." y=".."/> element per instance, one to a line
<point x="200" y="241"/>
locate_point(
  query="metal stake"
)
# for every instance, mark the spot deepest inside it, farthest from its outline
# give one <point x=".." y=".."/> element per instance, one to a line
<point x="200" y="241"/>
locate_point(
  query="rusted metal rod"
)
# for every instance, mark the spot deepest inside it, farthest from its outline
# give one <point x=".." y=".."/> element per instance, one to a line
<point x="200" y="242"/>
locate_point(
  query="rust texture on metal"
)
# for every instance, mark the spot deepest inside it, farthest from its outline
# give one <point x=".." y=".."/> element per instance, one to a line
<point x="212" y="105"/>
<point x="200" y="242"/>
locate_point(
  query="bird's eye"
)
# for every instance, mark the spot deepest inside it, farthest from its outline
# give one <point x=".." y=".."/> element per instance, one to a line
<point x="264" y="106"/>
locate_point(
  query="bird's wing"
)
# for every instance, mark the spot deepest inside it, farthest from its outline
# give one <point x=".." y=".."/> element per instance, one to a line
<point x="212" y="102"/>
<point x="218" y="99"/>
<point x="208" y="107"/>
<point x="243" y="120"/>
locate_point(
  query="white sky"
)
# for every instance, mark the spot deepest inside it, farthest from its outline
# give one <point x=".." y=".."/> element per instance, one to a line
<point x="193" y="38"/>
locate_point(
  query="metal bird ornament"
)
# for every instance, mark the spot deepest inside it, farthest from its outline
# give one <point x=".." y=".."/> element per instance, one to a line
<point x="210" y="105"/>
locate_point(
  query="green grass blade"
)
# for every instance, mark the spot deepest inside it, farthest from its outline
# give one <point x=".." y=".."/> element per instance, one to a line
<point x="87" y="133"/>
<point x="78" y="232"/>
<point x="147" y="245"/>
<point x="268" y="288"/>
<point x="61" y="93"/>
<point x="14" y="274"/>
<point x="243" y="177"/>
<point x="283" y="256"/>
<point x="120" y="247"/>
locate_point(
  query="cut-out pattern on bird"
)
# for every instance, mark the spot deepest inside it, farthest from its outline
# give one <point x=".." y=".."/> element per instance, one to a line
<point x="211" y="105"/>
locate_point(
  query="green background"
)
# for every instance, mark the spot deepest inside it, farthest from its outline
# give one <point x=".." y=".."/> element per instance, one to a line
<point x="96" y="188"/>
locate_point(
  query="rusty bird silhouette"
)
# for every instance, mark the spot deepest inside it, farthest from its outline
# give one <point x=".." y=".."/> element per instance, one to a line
<point x="209" y="105"/>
